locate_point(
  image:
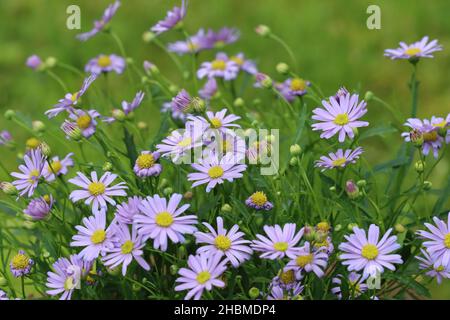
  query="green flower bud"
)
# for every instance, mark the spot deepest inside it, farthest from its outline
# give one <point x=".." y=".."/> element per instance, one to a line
<point x="136" y="287"/>
<point x="167" y="191"/>
<point x="107" y="166"/>
<point x="293" y="162"/>
<point x="309" y="233"/>
<point x="332" y="189"/>
<point x="282" y="68"/>
<point x="38" y="126"/>
<point x="267" y="82"/>
<point x="164" y="183"/>
<point x="148" y="36"/>
<point x="144" y="79"/>
<point x="9" y="114"/>
<point x="368" y="96"/>
<point x="118" y="114"/>
<point x="3" y="282"/>
<point x="142" y="125"/>
<point x="239" y="103"/>
<point x="8" y="188"/>
<point x="262" y="30"/>
<point x="226" y="208"/>
<point x="351" y="226"/>
<point x="352" y="190"/>
<point x="129" y="60"/>
<point x="45" y="149"/>
<point x="173" y="89"/>
<point x="173" y="269"/>
<point x="295" y="150"/>
<point x="50" y="62"/>
<point x="419" y="166"/>
<point x="253" y="293"/>
<point x="338" y="227"/>
<point x="320" y="236"/>
<point x="197" y="104"/>
<point x="399" y="228"/>
<point x="427" y="185"/>
<point x="361" y="183"/>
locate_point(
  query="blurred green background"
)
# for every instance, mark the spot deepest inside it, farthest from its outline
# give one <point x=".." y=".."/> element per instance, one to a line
<point x="329" y="37"/>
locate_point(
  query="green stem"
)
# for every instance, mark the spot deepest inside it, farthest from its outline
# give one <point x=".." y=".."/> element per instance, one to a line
<point x="286" y="47"/>
<point x="414" y="91"/>
<point x="57" y="79"/>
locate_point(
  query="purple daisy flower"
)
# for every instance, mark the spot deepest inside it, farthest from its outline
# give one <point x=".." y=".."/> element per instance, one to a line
<point x="442" y="126"/>
<point x="230" y="243"/>
<point x="106" y="63"/>
<point x="356" y="285"/>
<point x="180" y="143"/>
<point x="341" y="94"/>
<point x="368" y="253"/>
<point x="435" y="271"/>
<point x="175" y="114"/>
<point x="209" y="90"/>
<point x="220" y="67"/>
<point x="85" y="121"/>
<point x="70" y="100"/>
<point x="258" y="201"/>
<point x="146" y="166"/>
<point x="172" y="19"/>
<point x="282" y="88"/>
<point x="295" y="87"/>
<point x="5" y="137"/>
<point x="220" y="144"/>
<point x="340" y="159"/>
<point x="246" y="65"/>
<point x="39" y="208"/>
<point x="262" y="80"/>
<point x="429" y="131"/>
<point x="279" y="293"/>
<point x="97" y="192"/>
<point x="340" y="117"/>
<point x="212" y="171"/>
<point x="31" y="172"/>
<point x="127" y="210"/>
<point x="130" y="107"/>
<point x="222" y="37"/>
<point x="416" y="50"/>
<point x="193" y="44"/>
<point x="67" y="276"/>
<point x="438" y="241"/>
<point x="325" y="245"/>
<point x="160" y="220"/>
<point x="217" y="121"/>
<point x="287" y="279"/>
<point x="34" y="62"/>
<point x="204" y="273"/>
<point x="99" y="25"/>
<point x="127" y="246"/>
<point x="309" y="260"/>
<point x="279" y="243"/>
<point x="94" y="236"/>
<point x="20" y="264"/>
<point x="58" y="167"/>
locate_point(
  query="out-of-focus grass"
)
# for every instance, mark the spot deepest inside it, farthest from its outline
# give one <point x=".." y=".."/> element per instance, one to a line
<point x="330" y="39"/>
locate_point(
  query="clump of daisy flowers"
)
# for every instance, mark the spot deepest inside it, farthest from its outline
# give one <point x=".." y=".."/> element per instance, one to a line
<point x="122" y="202"/>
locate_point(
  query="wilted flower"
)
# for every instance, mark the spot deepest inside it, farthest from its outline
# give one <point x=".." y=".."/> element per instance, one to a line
<point x="419" y="49"/>
<point x="99" y="25"/>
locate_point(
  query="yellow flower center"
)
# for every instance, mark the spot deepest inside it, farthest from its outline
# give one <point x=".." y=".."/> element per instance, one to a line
<point x="341" y="119"/>
<point x="339" y="162"/>
<point x="215" y="123"/>
<point x="441" y="124"/>
<point x="74" y="97"/>
<point x="215" y="172"/>
<point x="298" y="84"/>
<point x="20" y="261"/>
<point x="96" y="188"/>
<point x="439" y="269"/>
<point x="287" y="277"/>
<point x="302" y="261"/>
<point x="259" y="198"/>
<point x="430" y="136"/>
<point x="32" y="143"/>
<point x="412" y="51"/>
<point x="69" y="283"/>
<point x="192" y="46"/>
<point x="33" y="175"/>
<point x="222" y="242"/>
<point x="185" y="142"/>
<point x="280" y="246"/>
<point x="98" y="236"/>
<point x="323" y="226"/>
<point x="218" y="65"/>
<point x="238" y="60"/>
<point x="447" y="240"/>
<point x="104" y="61"/>
<point x="164" y="219"/>
<point x="84" y="121"/>
<point x="203" y="276"/>
<point x="55" y="166"/>
<point x="127" y="247"/>
<point x="369" y="251"/>
<point x="145" y="161"/>
<point x="356" y="287"/>
<point x="47" y="198"/>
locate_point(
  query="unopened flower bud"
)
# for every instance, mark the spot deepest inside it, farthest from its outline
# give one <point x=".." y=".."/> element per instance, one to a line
<point x="256" y="102"/>
<point x="309" y="233"/>
<point x="9" y="114"/>
<point x="351" y="226"/>
<point x="293" y="162"/>
<point x="72" y="131"/>
<point x="129" y="60"/>
<point x="416" y="138"/>
<point x="320" y="236"/>
<point x="118" y="114"/>
<point x="8" y="188"/>
<point x="148" y="36"/>
<point x="427" y="185"/>
<point x="399" y="228"/>
<point x="262" y="30"/>
<point x="38" y="126"/>
<point x="295" y="150"/>
<point x="239" y="103"/>
<point x="164" y="183"/>
<point x="188" y="195"/>
<point x="167" y="191"/>
<point x="136" y="288"/>
<point x="3" y="282"/>
<point x="351" y="189"/>
<point x="332" y="189"/>
<point x="361" y="183"/>
<point x="107" y="166"/>
<point x="368" y="96"/>
<point x="419" y="166"/>
<point x="226" y="208"/>
<point x="173" y="89"/>
<point x="173" y="269"/>
<point x="50" y="62"/>
<point x="197" y="105"/>
<point x="45" y="149"/>
<point x="142" y="125"/>
<point x="150" y="68"/>
<point x="282" y="68"/>
<point x="338" y="227"/>
<point x="253" y="293"/>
